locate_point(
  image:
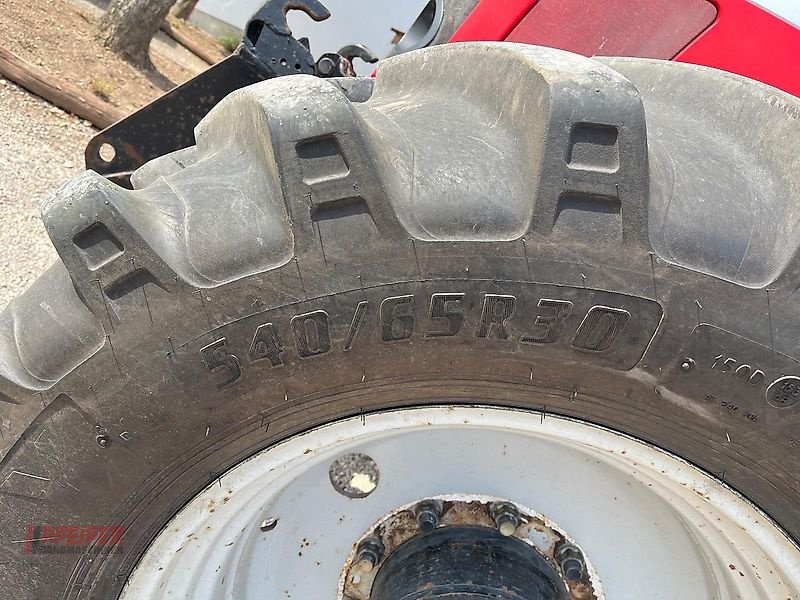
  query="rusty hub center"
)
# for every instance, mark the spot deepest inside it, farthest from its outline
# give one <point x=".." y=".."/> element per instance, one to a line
<point x="466" y="548"/>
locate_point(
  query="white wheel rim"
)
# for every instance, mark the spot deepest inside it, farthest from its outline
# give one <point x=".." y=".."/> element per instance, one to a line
<point x="651" y="525"/>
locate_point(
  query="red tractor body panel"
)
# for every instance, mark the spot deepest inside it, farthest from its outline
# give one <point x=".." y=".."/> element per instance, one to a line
<point x="732" y="35"/>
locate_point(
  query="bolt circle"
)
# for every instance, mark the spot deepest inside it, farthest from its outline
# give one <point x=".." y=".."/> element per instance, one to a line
<point x="103" y="440"/>
<point x="687" y="365"/>
<point x="427" y="522"/>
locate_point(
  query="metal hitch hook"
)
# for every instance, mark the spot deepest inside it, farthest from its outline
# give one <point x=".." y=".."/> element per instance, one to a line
<point x="352" y="51"/>
<point x="268" y="41"/>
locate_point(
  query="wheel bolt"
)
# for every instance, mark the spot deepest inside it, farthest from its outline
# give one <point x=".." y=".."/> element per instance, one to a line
<point x="570" y="559"/>
<point x="369" y="554"/>
<point x="506" y="517"/>
<point x="428" y="514"/>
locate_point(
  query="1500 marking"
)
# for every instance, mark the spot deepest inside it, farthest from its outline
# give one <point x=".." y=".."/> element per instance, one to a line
<point x="783" y="392"/>
<point x="735" y="372"/>
<point x="310" y="332"/>
<point x="743" y="371"/>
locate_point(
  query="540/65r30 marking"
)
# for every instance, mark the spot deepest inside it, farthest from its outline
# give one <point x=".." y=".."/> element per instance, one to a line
<point x="612" y="329"/>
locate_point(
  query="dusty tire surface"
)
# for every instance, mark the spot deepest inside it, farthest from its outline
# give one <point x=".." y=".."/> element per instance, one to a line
<point x="497" y="224"/>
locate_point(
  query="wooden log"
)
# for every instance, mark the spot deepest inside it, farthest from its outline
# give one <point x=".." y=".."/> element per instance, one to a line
<point x="176" y="29"/>
<point x="65" y="95"/>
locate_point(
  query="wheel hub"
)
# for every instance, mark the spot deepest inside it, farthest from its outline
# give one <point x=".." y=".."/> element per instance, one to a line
<point x="468" y="545"/>
<point x="466" y="563"/>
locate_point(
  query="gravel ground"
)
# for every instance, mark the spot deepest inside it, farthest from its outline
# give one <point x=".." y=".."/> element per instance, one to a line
<point x="41" y="147"/>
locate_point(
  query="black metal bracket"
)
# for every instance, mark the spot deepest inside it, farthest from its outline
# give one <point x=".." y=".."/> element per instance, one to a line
<point x="167" y="124"/>
<point x="268" y="41"/>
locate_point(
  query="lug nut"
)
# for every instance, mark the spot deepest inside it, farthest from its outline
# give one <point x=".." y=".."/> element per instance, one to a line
<point x="506" y="517"/>
<point x="570" y="559"/>
<point x="428" y="513"/>
<point x="369" y="554"/>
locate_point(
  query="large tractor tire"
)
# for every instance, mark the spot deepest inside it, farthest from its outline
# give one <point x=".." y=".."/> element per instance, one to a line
<point x="614" y="241"/>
